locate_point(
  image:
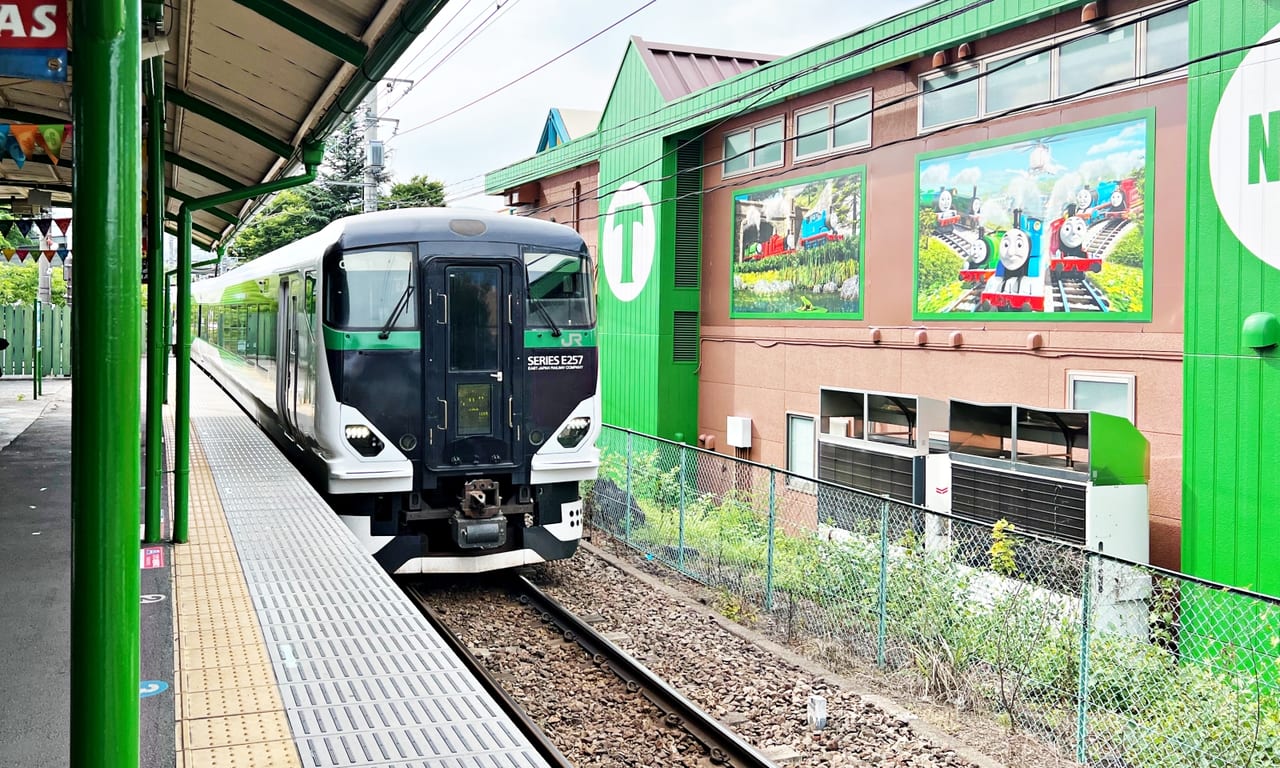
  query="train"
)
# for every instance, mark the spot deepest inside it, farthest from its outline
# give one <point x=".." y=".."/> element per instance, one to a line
<point x="433" y="372"/>
<point x="763" y="241"/>
<point x="1017" y="283"/>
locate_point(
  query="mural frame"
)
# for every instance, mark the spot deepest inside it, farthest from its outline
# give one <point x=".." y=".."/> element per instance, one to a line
<point x="736" y="314"/>
<point x="1149" y="219"/>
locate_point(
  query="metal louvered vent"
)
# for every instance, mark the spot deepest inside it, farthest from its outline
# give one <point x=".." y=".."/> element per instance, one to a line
<point x="688" y="266"/>
<point x="1053" y="508"/>
<point x="878" y="473"/>
<point x="684" y="337"/>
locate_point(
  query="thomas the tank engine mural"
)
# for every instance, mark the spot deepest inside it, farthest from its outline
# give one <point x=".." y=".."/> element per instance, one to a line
<point x="1051" y="224"/>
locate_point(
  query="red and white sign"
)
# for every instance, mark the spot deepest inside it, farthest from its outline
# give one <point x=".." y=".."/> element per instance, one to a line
<point x="33" y="39"/>
<point x="152" y="557"/>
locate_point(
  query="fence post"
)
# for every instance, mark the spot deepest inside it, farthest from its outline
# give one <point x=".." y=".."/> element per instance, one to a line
<point x="1082" y="692"/>
<point x="626" y="521"/>
<point x="883" y="599"/>
<point x="768" y="576"/>
<point x="680" y="541"/>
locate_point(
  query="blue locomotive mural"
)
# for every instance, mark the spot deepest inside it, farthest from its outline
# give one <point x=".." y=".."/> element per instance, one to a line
<point x="798" y="248"/>
<point x="1052" y="224"/>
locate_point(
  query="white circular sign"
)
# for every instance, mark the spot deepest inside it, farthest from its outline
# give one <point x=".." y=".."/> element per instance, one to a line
<point x="1244" y="151"/>
<point x="629" y="241"/>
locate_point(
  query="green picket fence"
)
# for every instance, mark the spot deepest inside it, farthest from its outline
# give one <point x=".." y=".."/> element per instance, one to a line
<point x="17" y="324"/>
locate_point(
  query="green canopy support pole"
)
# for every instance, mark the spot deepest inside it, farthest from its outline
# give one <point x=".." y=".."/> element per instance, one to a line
<point x="312" y="156"/>
<point x="167" y="334"/>
<point x="156" y="359"/>
<point x="106" y="501"/>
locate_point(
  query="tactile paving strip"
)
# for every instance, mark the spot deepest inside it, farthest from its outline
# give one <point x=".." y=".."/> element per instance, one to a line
<point x="364" y="679"/>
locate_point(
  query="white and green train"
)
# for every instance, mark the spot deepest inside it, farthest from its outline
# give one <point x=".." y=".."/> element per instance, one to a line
<point x="433" y="372"/>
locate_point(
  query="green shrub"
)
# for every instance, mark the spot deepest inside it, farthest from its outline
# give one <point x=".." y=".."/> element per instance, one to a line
<point x="1130" y="249"/>
<point x="939" y="267"/>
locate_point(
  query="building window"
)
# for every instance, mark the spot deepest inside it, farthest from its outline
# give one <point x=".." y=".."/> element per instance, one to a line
<point x="1104" y="392"/>
<point x="1019" y="80"/>
<point x="1097" y="60"/>
<point x="800" y="451"/>
<point x="839" y="125"/>
<point x="949" y="97"/>
<point x="1167" y="44"/>
<point x="752" y="148"/>
<point x="1082" y="63"/>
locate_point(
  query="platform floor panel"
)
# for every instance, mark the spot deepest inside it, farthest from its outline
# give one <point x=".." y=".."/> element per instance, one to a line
<point x="362" y="677"/>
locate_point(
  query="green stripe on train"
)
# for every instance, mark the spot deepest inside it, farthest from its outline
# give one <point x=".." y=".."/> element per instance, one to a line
<point x="351" y="341"/>
<point x="544" y="339"/>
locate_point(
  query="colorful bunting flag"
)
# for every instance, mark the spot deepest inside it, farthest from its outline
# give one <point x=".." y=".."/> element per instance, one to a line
<point x="24" y="136"/>
<point x="22" y="254"/>
<point x="64" y="225"/>
<point x="50" y="138"/>
<point x="44" y="225"/>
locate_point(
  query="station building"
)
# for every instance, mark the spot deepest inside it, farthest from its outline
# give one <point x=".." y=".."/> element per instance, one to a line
<point x="977" y="210"/>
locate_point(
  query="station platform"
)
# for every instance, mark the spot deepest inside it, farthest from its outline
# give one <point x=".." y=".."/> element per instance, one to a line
<point x="270" y="639"/>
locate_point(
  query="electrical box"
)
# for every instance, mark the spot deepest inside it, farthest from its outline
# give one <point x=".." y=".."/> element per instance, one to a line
<point x="738" y="432"/>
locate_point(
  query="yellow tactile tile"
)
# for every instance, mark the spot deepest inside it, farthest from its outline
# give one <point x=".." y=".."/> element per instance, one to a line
<point x="232" y="701"/>
<point x="277" y="754"/>
<point x="227" y="705"/>
<point x="207" y="732"/>
<point x="223" y="656"/>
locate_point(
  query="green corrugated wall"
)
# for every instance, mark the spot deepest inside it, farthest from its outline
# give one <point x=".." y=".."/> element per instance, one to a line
<point x="1231" y="494"/>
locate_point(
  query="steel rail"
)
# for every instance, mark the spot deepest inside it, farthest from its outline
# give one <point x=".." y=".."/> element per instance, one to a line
<point x="724" y="746"/>
<point x="527" y="726"/>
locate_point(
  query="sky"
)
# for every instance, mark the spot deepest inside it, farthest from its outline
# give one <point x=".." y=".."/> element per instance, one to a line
<point x="521" y="35"/>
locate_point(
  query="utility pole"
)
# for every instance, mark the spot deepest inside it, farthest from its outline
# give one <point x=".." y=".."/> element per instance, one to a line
<point x="373" y="152"/>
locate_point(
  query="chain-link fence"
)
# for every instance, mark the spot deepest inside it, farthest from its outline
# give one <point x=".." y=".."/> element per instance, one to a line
<point x="1110" y="663"/>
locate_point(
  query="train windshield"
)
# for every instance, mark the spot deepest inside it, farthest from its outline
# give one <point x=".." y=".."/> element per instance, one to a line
<point x="559" y="290"/>
<point x="366" y="287"/>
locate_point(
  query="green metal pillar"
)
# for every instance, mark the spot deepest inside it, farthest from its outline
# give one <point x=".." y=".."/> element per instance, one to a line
<point x="106" y="401"/>
<point x="156" y="306"/>
<point x="167" y="334"/>
<point x="312" y="156"/>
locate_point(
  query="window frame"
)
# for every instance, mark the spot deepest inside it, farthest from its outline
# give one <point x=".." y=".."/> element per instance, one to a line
<point x="1130" y="380"/>
<point x="1052" y="46"/>
<point x="754" y="147"/>
<point x="803" y="483"/>
<point x="829" y="107"/>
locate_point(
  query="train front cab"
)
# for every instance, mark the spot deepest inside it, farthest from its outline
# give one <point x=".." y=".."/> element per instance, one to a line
<point x="486" y="383"/>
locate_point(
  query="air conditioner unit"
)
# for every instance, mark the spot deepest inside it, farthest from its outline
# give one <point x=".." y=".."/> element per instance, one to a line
<point x="738" y="432"/>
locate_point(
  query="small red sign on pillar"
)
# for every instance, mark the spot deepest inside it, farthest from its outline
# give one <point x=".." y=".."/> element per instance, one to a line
<point x="152" y="557"/>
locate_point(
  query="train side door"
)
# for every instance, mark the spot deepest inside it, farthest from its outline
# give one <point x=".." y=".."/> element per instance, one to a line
<point x="287" y="350"/>
<point x="470" y="349"/>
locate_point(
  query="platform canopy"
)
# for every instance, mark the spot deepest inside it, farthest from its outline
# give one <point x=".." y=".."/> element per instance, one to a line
<point x="247" y="83"/>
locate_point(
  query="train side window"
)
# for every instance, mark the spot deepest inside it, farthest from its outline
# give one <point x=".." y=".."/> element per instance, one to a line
<point x="1104" y="392"/>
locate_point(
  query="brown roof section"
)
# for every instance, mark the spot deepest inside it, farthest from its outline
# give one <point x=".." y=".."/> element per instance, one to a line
<point x="679" y="70"/>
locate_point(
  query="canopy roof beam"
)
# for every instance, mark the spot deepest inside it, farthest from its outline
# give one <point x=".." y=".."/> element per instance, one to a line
<point x="253" y="133"/>
<point x="310" y="29"/>
<point x="200" y="169"/>
<point x="185" y="198"/>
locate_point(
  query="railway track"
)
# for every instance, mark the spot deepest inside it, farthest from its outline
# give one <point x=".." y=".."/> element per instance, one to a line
<point x="554" y="757"/>
<point x="1104" y="236"/>
<point x="720" y="746"/>
<point x="1078" y="295"/>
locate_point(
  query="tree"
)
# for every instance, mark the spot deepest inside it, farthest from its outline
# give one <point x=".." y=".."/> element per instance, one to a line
<point x="291" y="215"/>
<point x="20" y="282"/>
<point x="418" y="191"/>
<point x="298" y="212"/>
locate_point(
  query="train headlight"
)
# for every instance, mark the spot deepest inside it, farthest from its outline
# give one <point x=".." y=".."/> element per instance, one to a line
<point x="363" y="440"/>
<point x="574" y="430"/>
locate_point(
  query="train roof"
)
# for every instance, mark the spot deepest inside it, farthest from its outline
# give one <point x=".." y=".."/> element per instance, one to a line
<point x="411" y="225"/>
<point x="404" y="225"/>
